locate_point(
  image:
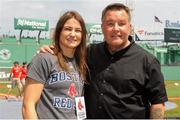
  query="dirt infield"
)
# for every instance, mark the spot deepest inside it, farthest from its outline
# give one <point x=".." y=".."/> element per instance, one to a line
<point x="2" y="86"/>
<point x="174" y="98"/>
<point x="5" y="96"/>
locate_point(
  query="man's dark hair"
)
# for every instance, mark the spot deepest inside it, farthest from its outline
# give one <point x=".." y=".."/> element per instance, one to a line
<point x="116" y="6"/>
<point x="16" y="62"/>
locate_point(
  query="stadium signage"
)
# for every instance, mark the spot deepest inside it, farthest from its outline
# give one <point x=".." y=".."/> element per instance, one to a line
<point x="150" y="33"/>
<point x="153" y="33"/>
<point x="169" y="24"/>
<point x="5" y="54"/>
<point x="95" y="29"/>
<point x="4" y="75"/>
<point x="171" y="35"/>
<point x="31" y="24"/>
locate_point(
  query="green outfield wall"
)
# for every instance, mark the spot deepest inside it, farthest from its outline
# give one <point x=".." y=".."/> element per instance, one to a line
<point x="11" y="51"/>
<point x="14" y="52"/>
<point x="171" y="72"/>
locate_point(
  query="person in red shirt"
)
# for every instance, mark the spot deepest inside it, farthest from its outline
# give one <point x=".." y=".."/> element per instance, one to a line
<point x="23" y="74"/>
<point x="15" y="75"/>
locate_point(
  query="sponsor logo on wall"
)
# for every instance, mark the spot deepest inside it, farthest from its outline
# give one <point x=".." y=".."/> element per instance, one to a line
<point x="5" y="54"/>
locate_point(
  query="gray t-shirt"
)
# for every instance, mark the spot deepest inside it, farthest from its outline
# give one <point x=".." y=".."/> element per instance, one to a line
<point x="57" y="100"/>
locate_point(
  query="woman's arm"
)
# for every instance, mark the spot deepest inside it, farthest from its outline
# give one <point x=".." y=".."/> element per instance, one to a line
<point x="32" y="93"/>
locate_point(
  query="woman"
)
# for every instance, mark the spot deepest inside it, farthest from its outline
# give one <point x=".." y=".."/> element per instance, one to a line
<point x="53" y="81"/>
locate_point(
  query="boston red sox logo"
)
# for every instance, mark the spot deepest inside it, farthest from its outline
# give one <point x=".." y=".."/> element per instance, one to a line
<point x="80" y="105"/>
<point x="72" y="90"/>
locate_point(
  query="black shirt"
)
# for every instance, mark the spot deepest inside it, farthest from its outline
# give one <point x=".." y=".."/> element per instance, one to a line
<point x="123" y="85"/>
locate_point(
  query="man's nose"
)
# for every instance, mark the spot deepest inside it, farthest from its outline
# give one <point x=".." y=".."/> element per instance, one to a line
<point x="116" y="26"/>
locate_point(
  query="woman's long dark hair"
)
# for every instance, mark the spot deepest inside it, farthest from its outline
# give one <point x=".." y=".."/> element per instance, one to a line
<point x="80" y="53"/>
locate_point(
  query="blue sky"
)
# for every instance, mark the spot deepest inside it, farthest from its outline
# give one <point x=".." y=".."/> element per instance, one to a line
<point x="143" y="10"/>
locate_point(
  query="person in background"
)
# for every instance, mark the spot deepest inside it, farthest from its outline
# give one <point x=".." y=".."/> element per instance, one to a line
<point x="125" y="81"/>
<point x="54" y="81"/>
<point x="23" y="74"/>
<point x="15" y="75"/>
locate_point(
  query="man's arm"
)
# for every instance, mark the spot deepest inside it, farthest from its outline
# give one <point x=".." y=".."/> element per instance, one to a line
<point x="157" y="111"/>
<point x="46" y="48"/>
<point x="20" y="73"/>
<point x="10" y="75"/>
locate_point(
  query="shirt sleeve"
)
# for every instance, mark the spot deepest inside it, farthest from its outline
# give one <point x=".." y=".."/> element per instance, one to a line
<point x="38" y="69"/>
<point x="155" y="86"/>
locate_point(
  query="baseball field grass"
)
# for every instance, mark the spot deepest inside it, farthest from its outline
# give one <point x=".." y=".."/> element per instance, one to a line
<point x="173" y="92"/>
<point x="4" y="89"/>
<point x="172" y="88"/>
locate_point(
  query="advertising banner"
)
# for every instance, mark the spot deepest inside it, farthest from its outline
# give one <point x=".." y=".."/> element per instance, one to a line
<point x="171" y="35"/>
<point x="31" y="24"/>
<point x="149" y="33"/>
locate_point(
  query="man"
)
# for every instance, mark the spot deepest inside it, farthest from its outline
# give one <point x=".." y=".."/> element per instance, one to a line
<point x="24" y="73"/>
<point x="15" y="74"/>
<point x="125" y="81"/>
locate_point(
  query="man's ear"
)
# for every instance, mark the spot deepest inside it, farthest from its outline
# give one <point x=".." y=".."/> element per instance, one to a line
<point x="102" y="28"/>
<point x="131" y="29"/>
